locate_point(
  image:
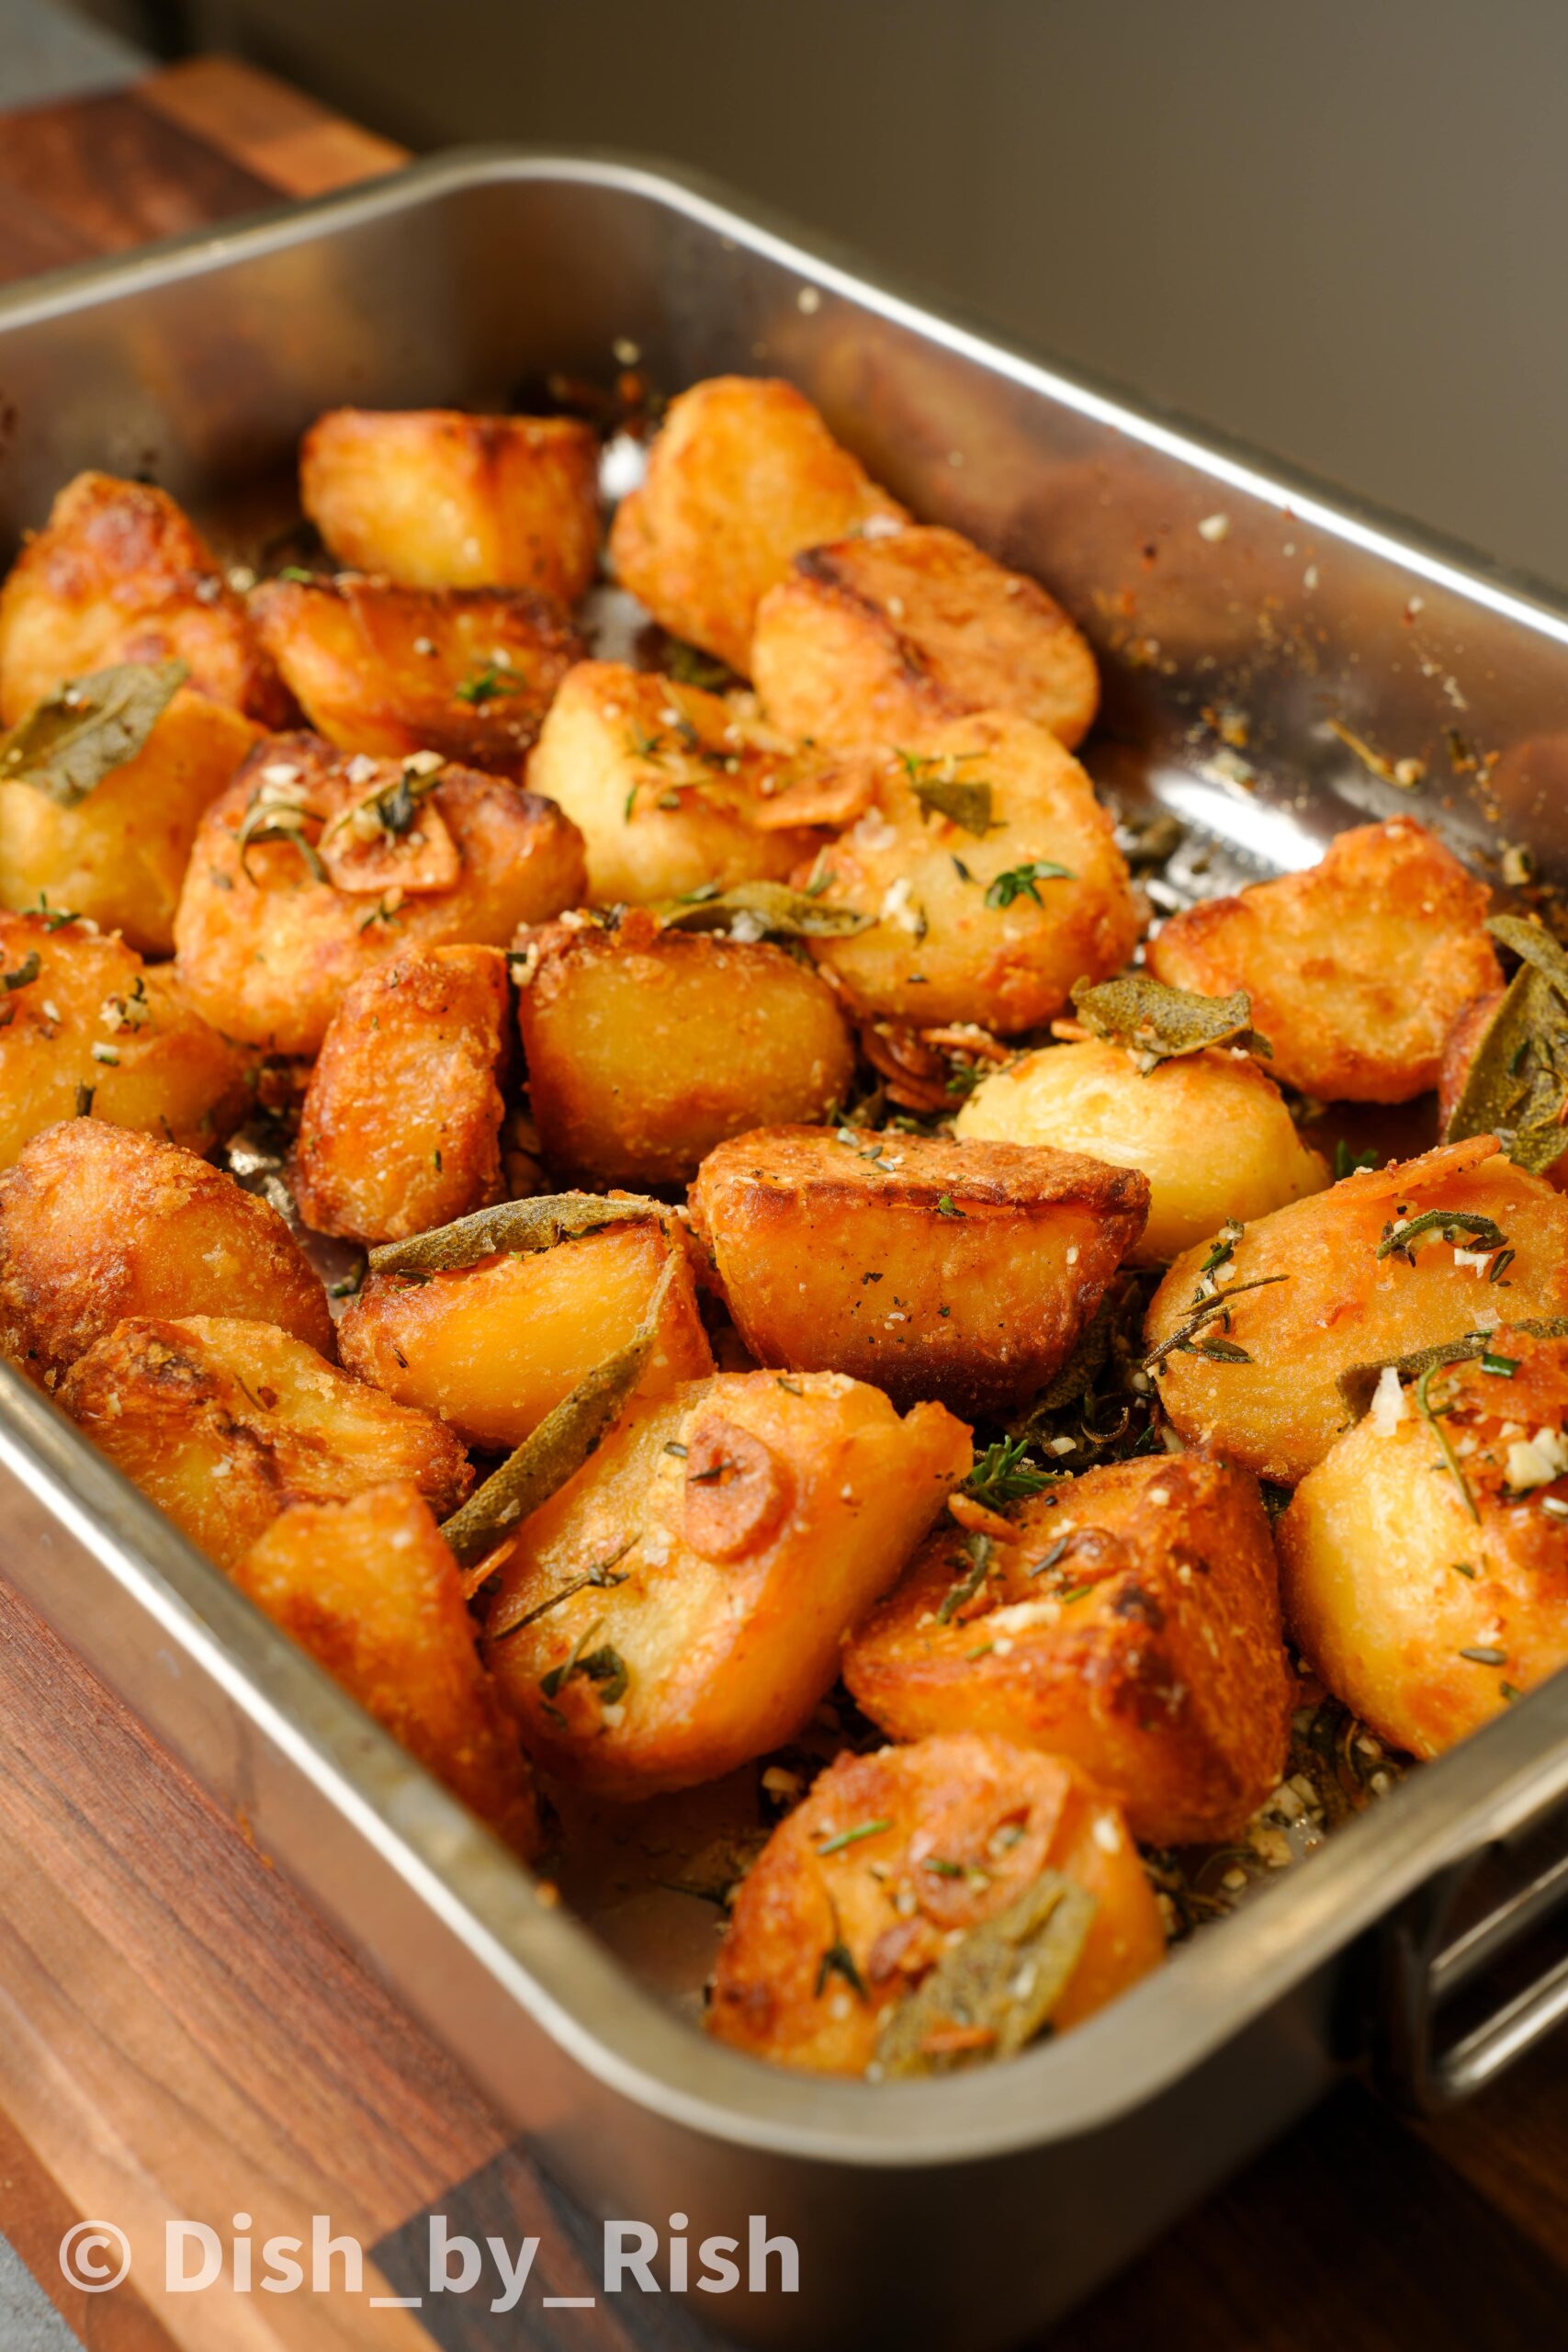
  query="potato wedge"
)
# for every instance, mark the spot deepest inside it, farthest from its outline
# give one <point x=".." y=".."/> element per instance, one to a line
<point x="743" y="475"/>
<point x="1354" y="968"/>
<point x="1343" y="1292"/>
<point x="370" y="1589"/>
<point x="444" y="500"/>
<point x="646" y="1047"/>
<point x="893" y="1858"/>
<point x="677" y="1607"/>
<point x="225" y="1423"/>
<point x="961" y="1270"/>
<point x="1147" y="1650"/>
<point x="1209" y="1130"/>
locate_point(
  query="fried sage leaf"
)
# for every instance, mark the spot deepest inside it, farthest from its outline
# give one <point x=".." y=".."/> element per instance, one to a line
<point x="968" y="805"/>
<point x="991" y="1994"/>
<point x="1157" y="1024"/>
<point x="519" y="1226"/>
<point x="68" y="744"/>
<point x="1358" y="1385"/>
<point x="1517" y="1087"/>
<point x="758" y="908"/>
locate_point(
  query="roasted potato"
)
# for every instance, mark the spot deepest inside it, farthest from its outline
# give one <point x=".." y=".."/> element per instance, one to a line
<point x="495" y="1346"/>
<point x="1354" y="968"/>
<point x="311" y="870"/>
<point x="224" y="1423"/>
<point x="646" y="1046"/>
<point x="86" y="1027"/>
<point x="119" y="573"/>
<point x="466" y="671"/>
<point x="444" y="500"/>
<point x="888" y="1866"/>
<point x="1128" y="1618"/>
<point x="875" y="637"/>
<point x="743" y="475"/>
<point x="935" y="1269"/>
<point x="1259" y="1384"/>
<point x="677" y="1607"/>
<point x="1209" y="1130"/>
<point x="371" y="1590"/>
<point x="991" y="876"/>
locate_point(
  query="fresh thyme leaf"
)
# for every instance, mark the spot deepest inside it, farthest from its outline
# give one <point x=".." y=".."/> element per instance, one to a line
<point x="992" y="1992"/>
<point x="1019" y="882"/>
<point x="772" y="906"/>
<point x="1433" y="1417"/>
<point x="960" y="1593"/>
<point x="69" y="743"/>
<point x="488" y="684"/>
<point x="1004" y="1474"/>
<point x="1157" y="1023"/>
<point x="1399" y="1240"/>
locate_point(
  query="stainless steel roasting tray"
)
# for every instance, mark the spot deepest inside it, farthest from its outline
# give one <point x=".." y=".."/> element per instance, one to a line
<point x="1275" y="657"/>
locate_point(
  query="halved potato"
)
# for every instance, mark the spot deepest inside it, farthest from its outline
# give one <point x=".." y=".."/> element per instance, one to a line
<point x="743" y="475"/>
<point x="677" y="1607"/>
<point x="893" y="1859"/>
<point x="445" y="500"/>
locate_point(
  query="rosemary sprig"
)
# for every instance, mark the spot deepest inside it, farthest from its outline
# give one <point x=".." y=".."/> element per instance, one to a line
<point x="1182" y="1338"/>
<point x="1433" y="1416"/>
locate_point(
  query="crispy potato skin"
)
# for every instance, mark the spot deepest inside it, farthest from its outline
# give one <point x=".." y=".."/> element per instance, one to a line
<point x="173" y="1075"/>
<point x="223" y="1424"/>
<point x="97" y="1223"/>
<point x="370" y="1589"/>
<point x="833" y="1260"/>
<point x="1368" y="1547"/>
<point x="267" y="952"/>
<point x="1340" y="1305"/>
<point x="401" y="1126"/>
<point x="387" y="670"/>
<point x="494" y="1347"/>
<point x="1210" y="1131"/>
<point x="119" y="856"/>
<point x="742" y="476"/>
<point x="957" y="1799"/>
<point x="742" y="1560"/>
<point x="1354" y="968"/>
<point x="119" y="573"/>
<point x="646" y="1047"/>
<point x="936" y="952"/>
<point x="1149" y="1653"/>
<point x="873" y="638"/>
<point x="441" y="499"/>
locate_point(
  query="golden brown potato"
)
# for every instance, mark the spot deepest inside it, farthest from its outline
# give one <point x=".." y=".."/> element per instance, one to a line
<point x="311" y="870"/>
<point x="1428" y="1602"/>
<point x="876" y="636"/>
<point x="991" y="915"/>
<point x="1354" y="968"/>
<point x="1209" y="1130"/>
<point x="371" y="1590"/>
<point x="495" y="1346"/>
<point x="674" y="792"/>
<point x="119" y="573"/>
<point x="465" y="672"/>
<point x="225" y="1423"/>
<point x="1342" y="1291"/>
<point x="646" y="1047"/>
<point x="677" y="1607"/>
<point x="401" y="1126"/>
<point x="935" y="1269"/>
<point x="888" y="1863"/>
<point x="86" y="1027"/>
<point x="1128" y="1618"/>
<point x="743" y="475"/>
<point x="444" y="500"/>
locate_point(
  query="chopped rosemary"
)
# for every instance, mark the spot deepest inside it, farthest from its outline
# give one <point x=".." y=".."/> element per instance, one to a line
<point x="852" y="1836"/>
<point x="26" y="972"/>
<point x="964" y="1589"/>
<point x="1504" y="1367"/>
<point x="1004" y="1474"/>
<point x="1399" y="1239"/>
<point x="1181" y="1338"/>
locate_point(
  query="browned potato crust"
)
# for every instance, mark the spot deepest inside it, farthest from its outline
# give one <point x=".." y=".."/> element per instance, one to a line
<point x="1148" y="1650"/>
<point x="743" y="475"/>
<point x="1339" y="1305"/>
<point x="646" y="1047"/>
<point x="678" y="1606"/>
<point x="119" y="574"/>
<point x="971" y="1823"/>
<point x="224" y="1424"/>
<point x="401" y="1126"/>
<point x="90" y="1027"/>
<point x="876" y="636"/>
<point x="267" y="949"/>
<point x="1354" y="968"/>
<point x="964" y="1271"/>
<point x="370" y="1589"/>
<point x="465" y="672"/>
<point x="444" y="500"/>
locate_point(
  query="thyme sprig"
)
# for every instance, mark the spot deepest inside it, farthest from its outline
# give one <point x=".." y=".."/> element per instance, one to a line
<point x="1003" y="1474"/>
